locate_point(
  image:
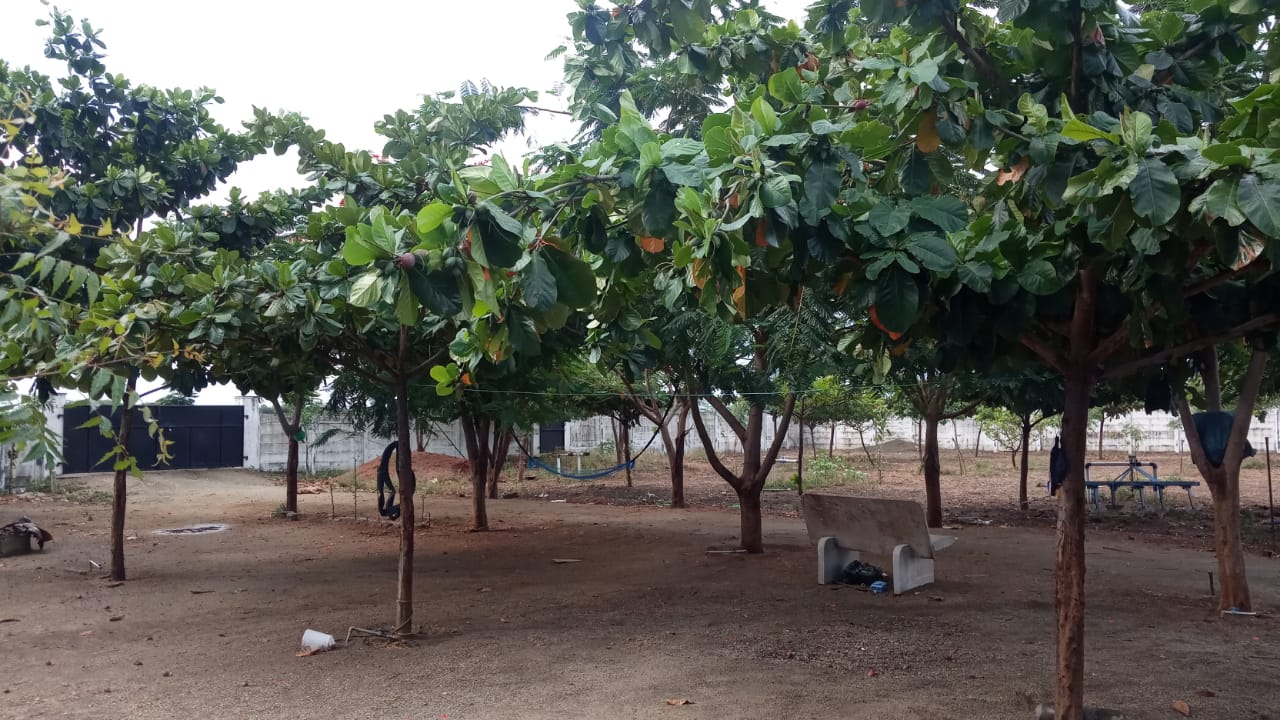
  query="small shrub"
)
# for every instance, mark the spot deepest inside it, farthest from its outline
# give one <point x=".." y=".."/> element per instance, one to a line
<point x="1254" y="463"/>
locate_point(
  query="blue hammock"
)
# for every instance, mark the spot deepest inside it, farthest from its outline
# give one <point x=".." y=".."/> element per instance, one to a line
<point x="536" y="463"/>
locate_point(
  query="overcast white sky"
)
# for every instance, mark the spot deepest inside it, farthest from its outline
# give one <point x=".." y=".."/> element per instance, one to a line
<point x="343" y="66"/>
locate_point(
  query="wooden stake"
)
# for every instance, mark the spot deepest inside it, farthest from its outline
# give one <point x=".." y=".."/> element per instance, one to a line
<point x="333" y="508"/>
<point x="355" y="485"/>
<point x="1271" y="503"/>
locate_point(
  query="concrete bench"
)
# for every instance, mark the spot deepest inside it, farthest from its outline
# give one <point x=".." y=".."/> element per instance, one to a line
<point x="844" y="527"/>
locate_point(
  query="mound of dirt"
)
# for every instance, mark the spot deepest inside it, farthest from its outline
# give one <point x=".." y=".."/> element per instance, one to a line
<point x="425" y="466"/>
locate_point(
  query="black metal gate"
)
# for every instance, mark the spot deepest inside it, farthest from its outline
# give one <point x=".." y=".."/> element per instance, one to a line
<point x="203" y="436"/>
<point x="551" y="437"/>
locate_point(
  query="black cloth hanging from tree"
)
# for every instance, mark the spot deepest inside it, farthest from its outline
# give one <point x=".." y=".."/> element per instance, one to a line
<point x="387" y="507"/>
<point x="1058" y="466"/>
<point x="1214" y="429"/>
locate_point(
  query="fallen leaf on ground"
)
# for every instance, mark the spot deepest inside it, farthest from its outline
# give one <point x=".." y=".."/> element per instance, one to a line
<point x="115" y="618"/>
<point x="564" y="561"/>
<point x="86" y="633"/>
<point x="1182" y="708"/>
<point x="309" y="652"/>
<point x="114" y="584"/>
<point x="872" y="672"/>
<point x="678" y="701"/>
<point x="200" y="592"/>
<point x="9" y="620"/>
<point x="1205" y="692"/>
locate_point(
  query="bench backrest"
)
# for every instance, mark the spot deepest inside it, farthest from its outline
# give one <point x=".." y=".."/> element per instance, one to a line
<point x="871" y="525"/>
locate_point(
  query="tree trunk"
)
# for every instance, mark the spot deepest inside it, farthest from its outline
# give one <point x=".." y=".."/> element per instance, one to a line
<point x="120" y="489"/>
<point x="476" y="432"/>
<point x="977" y="442"/>
<point x="752" y="522"/>
<point x="919" y="438"/>
<point x="932" y="472"/>
<point x="1233" y="583"/>
<point x="862" y="440"/>
<point x="291" y="477"/>
<point x="831" y="446"/>
<point x="674" y="447"/>
<point x="1023" y="502"/>
<point x="1069" y="578"/>
<point x="1102" y="423"/>
<point x="498" y="459"/>
<point x="626" y="452"/>
<point x="408" y="483"/>
<point x="1224" y="481"/>
<point x="800" y="461"/>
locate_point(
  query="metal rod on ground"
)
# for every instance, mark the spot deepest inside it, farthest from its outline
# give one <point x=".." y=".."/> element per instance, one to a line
<point x="1271" y="503"/>
<point x="355" y="487"/>
<point x="333" y="508"/>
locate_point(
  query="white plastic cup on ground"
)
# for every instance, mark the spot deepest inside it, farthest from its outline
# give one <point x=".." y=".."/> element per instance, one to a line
<point x="316" y="641"/>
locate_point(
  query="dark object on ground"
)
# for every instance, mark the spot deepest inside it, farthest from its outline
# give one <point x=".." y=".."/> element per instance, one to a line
<point x="860" y="573"/>
<point x="16" y="537"/>
<point x="387" y="508"/>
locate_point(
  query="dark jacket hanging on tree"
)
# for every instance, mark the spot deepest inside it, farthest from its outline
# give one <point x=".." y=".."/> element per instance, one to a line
<point x="1214" y="429"/>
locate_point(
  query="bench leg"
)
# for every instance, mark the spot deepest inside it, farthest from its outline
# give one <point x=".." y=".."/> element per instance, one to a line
<point x="910" y="570"/>
<point x="1190" y="502"/>
<point x="1142" y="502"/>
<point x="832" y="560"/>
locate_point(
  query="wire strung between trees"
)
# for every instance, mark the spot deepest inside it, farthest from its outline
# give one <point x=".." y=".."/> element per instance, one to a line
<point x="629" y="465"/>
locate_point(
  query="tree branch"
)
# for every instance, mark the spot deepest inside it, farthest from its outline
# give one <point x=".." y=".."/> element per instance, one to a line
<point x="729" y="418"/>
<point x="1244" y="409"/>
<point x="1110" y="344"/>
<point x="1051" y="357"/>
<point x="1262" y="322"/>
<point x="709" y="449"/>
<point x="963" y="411"/>
<point x="980" y="61"/>
<point x="1194" y="444"/>
<point x="771" y="457"/>
<point x="1222" y="278"/>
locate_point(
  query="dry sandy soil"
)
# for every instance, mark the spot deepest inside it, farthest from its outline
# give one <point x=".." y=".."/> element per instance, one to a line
<point x="207" y="626"/>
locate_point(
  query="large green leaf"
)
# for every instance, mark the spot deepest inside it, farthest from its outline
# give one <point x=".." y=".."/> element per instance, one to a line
<point x="1261" y="204"/>
<point x="776" y="191"/>
<point x="1007" y="10"/>
<point x="357" y="251"/>
<point x="933" y="251"/>
<point x="889" y="218"/>
<point x="1154" y="192"/>
<point x="659" y="210"/>
<point x="787" y="86"/>
<point x="946" y="211"/>
<point x="1039" y="277"/>
<point x="501" y="237"/>
<point x="897" y="300"/>
<point x="432" y="216"/>
<point x="764" y="114"/>
<point x="366" y="290"/>
<point x="539" y="284"/>
<point x="436" y="290"/>
<point x="687" y="23"/>
<point x="575" y="281"/>
<point x="688" y="175"/>
<point x="718" y="145"/>
<point x="821" y="187"/>
<point x="1077" y="129"/>
<point x="680" y="149"/>
<point x="406" y="305"/>
<point x="503" y="175"/>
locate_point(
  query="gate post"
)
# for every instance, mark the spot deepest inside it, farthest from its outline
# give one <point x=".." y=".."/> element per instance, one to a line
<point x="252" y="431"/>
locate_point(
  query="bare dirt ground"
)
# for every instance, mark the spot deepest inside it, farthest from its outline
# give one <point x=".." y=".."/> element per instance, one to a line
<point x="207" y="626"/>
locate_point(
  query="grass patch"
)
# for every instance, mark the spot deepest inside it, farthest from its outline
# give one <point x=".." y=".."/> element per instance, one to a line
<point x="1254" y="463"/>
<point x="820" y="472"/>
